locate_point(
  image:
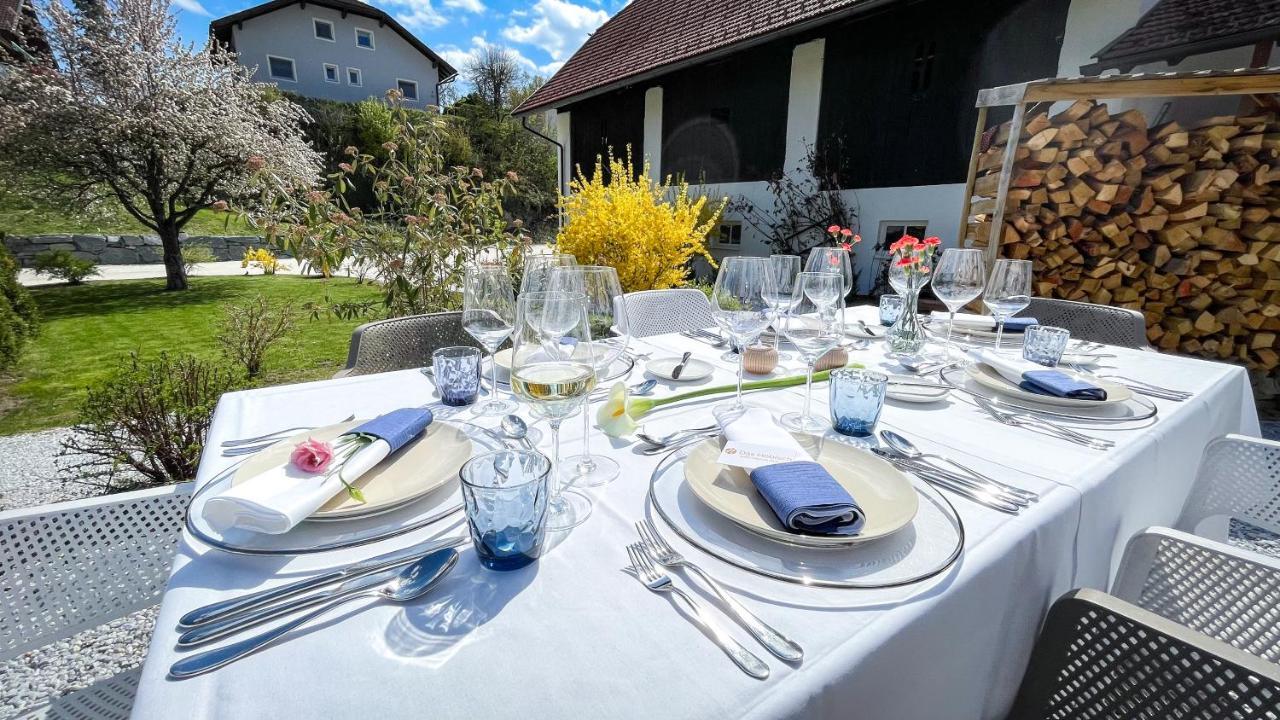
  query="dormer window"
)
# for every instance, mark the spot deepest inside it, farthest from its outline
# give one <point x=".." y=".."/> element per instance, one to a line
<point x="364" y="38"/>
<point x="323" y="29"/>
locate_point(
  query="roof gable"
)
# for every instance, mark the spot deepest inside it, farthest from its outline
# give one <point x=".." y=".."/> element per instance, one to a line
<point x="1175" y="29"/>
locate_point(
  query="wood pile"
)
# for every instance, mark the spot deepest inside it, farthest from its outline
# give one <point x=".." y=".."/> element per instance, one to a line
<point x="1180" y="223"/>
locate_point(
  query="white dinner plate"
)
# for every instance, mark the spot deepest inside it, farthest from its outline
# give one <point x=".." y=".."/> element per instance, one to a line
<point x="883" y="493"/>
<point x="502" y="367"/>
<point x="425" y="463"/>
<point x="695" y="369"/>
<point x="904" y="392"/>
<point x="940" y="326"/>
<point x="987" y="377"/>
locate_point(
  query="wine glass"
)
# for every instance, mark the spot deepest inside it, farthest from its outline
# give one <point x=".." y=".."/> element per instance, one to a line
<point x="488" y="315"/>
<point x="813" y="324"/>
<point x="739" y="306"/>
<point x="958" y="280"/>
<point x="610" y="334"/>
<point x="552" y="368"/>
<point x="537" y="270"/>
<point x="832" y="259"/>
<point x="1008" y="292"/>
<point x="783" y="269"/>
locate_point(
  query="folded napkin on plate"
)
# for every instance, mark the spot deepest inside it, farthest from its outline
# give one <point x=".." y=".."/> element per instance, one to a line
<point x="280" y="498"/>
<point x="1037" y="378"/>
<point x="802" y="494"/>
<point x="984" y="322"/>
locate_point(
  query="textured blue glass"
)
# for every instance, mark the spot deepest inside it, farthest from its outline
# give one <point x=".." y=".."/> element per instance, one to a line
<point x="505" y="494"/>
<point x="457" y="374"/>
<point x="1044" y="344"/>
<point x="890" y="309"/>
<point x="857" y="396"/>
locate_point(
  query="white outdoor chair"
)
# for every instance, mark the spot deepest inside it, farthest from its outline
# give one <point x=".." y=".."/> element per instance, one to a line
<point x="1095" y="323"/>
<point x="657" y="312"/>
<point x="1220" y="590"/>
<point x="1239" y="478"/>
<point x="72" y="566"/>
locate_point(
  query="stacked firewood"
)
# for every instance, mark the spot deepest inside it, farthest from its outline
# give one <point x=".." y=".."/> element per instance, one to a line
<point x="1181" y="223"/>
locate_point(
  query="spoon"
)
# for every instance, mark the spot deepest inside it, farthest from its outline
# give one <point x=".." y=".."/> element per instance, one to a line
<point x="662" y="440"/>
<point x="906" y="448"/>
<point x="643" y="388"/>
<point x="679" y="368"/>
<point x="516" y="429"/>
<point x="411" y="583"/>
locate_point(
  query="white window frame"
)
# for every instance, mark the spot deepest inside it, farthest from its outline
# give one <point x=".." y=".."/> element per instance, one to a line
<point x="337" y="73"/>
<point x="373" y="44"/>
<point x="333" y="29"/>
<point x="359" y="76"/>
<point x="720" y="244"/>
<point x="904" y="224"/>
<point x="417" y="89"/>
<point x="292" y="63"/>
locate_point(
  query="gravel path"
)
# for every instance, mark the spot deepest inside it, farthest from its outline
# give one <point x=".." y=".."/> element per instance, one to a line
<point x="29" y="471"/>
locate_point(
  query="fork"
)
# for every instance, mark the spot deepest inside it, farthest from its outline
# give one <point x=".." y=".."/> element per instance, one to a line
<point x="1142" y="387"/>
<point x="773" y="641"/>
<point x="279" y="433"/>
<point x="657" y="582"/>
<point x="1032" y="422"/>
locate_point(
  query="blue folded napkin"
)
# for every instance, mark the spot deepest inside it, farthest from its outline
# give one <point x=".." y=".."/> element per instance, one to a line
<point x="396" y="427"/>
<point x="1019" y="324"/>
<point x="807" y="499"/>
<point x="1059" y="384"/>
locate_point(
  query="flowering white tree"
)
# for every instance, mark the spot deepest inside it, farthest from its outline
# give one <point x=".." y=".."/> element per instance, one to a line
<point x="128" y="112"/>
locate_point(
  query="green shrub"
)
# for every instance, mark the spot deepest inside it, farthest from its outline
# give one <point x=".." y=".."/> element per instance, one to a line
<point x="19" y="316"/>
<point x="63" y="265"/>
<point x="195" y="254"/>
<point x="145" y="423"/>
<point x="248" y="330"/>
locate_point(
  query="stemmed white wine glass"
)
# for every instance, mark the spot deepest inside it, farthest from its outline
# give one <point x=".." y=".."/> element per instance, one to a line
<point x="553" y="369"/>
<point x="813" y="324"/>
<point x="488" y="315"/>
<point x="610" y="334"/>
<point x="1008" y="292"/>
<point x="740" y="308"/>
<point x="784" y="269"/>
<point x="958" y="280"/>
<point x="537" y="270"/>
<point x="832" y="259"/>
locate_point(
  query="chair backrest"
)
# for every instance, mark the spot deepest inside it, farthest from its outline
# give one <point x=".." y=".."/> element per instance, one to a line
<point x="403" y="343"/>
<point x="71" y="566"/>
<point x="1095" y="323"/>
<point x="1239" y="478"/>
<point x="1100" y="657"/>
<point x="657" y="312"/>
<point x="1222" y="591"/>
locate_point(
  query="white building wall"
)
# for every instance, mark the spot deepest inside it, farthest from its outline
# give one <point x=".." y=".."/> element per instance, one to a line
<point x="804" y="101"/>
<point x="653" y="132"/>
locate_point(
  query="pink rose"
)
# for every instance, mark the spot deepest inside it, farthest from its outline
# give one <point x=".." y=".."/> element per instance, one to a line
<point x="311" y="456"/>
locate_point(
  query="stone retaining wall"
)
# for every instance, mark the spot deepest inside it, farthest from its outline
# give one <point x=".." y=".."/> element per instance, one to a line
<point x="124" y="249"/>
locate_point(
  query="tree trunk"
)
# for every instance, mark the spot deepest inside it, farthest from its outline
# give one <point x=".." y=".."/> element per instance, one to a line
<point x="175" y="273"/>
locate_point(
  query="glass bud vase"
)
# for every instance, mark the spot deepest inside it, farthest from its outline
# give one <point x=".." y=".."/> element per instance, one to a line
<point x="907" y="337"/>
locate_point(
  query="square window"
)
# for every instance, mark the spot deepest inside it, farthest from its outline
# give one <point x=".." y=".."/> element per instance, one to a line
<point x="353" y="77"/>
<point x="323" y="29"/>
<point x="281" y="68"/>
<point x="330" y="73"/>
<point x="364" y="38"/>
<point x="729" y="235"/>
<point x="408" y="88"/>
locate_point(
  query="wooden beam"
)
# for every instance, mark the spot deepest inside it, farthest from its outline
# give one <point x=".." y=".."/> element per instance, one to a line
<point x="1006" y="169"/>
<point x="972" y="175"/>
<point x="1208" y="83"/>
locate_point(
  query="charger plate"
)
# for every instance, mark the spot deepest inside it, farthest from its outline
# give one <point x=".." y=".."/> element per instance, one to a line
<point x="929" y="545"/>
<point x="1135" y="409"/>
<point x="990" y="378"/>
<point x="316" y="537"/>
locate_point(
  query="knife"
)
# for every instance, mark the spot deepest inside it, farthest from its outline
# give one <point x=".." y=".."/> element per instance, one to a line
<point x="679" y="368"/>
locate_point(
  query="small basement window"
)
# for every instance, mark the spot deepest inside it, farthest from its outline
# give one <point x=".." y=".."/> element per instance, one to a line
<point x="728" y="236"/>
<point x="323" y="29"/>
<point x="364" y="38"/>
<point x="408" y="88"/>
<point x="281" y="68"/>
<point x="331" y="73"/>
<point x="353" y="77"/>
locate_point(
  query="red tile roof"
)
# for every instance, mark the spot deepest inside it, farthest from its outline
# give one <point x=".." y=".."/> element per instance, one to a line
<point x="1175" y="29"/>
<point x="651" y="34"/>
<point x="9" y="14"/>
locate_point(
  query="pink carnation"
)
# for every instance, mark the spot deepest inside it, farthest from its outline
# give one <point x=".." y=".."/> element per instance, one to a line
<point x="311" y="456"/>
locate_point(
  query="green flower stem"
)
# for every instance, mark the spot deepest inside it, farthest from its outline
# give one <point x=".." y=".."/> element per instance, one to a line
<point x="638" y="407"/>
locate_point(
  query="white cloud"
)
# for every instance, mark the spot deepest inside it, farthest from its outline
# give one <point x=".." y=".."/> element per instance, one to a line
<point x="459" y="58"/>
<point x="557" y="27"/>
<point x="419" y="13"/>
<point x="192" y="6"/>
<point x="474" y="6"/>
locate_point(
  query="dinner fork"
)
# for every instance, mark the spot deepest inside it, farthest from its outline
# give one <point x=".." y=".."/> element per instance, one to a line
<point x="773" y="641"/>
<point x="657" y="582"/>
<point x="1035" y="423"/>
<point x="1140" y="386"/>
<point x="279" y="433"/>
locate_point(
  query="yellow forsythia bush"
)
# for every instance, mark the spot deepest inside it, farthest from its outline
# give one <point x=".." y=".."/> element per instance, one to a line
<point x="648" y="231"/>
<point x="261" y="258"/>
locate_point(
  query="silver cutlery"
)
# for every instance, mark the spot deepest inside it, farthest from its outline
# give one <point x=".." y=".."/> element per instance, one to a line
<point x="222" y="609"/>
<point x="677" y="444"/>
<point x="705" y="336"/>
<point x="666" y="439"/>
<point x="277" y="434"/>
<point x="906" y="448"/>
<point x="679" y="368"/>
<point x="657" y="582"/>
<point x="921" y="367"/>
<point x="515" y="428"/>
<point x="1035" y="423"/>
<point x="1140" y="386"/>
<point x="946" y="481"/>
<point x="644" y="387"/>
<point x="412" y="582"/>
<point x="864" y="327"/>
<point x="665" y="555"/>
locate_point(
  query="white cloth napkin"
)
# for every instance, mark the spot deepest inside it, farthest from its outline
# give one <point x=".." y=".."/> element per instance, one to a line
<point x="969" y="320"/>
<point x="756" y="426"/>
<point x="1010" y="367"/>
<point x="276" y="500"/>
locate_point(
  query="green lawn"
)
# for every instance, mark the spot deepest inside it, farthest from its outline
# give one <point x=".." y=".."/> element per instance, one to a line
<point x="21" y="216"/>
<point x="88" y="329"/>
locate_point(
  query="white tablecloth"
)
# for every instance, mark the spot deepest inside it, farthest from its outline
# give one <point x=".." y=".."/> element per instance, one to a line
<point x="573" y="636"/>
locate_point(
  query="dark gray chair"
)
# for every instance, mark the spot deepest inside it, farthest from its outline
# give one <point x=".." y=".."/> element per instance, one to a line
<point x="1095" y="323"/>
<point x="403" y="343"/>
<point x="1100" y="657"/>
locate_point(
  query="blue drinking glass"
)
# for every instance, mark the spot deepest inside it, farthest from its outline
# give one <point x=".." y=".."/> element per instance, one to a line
<point x="1044" y="344"/>
<point x="890" y="309"/>
<point x="857" y="396"/>
<point x="457" y="374"/>
<point x="505" y="494"/>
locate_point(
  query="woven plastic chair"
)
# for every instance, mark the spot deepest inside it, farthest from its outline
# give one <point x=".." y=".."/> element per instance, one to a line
<point x="1101" y="657"/>
<point x="72" y="566"/>
<point x="403" y="343"/>
<point x="658" y="312"/>
<point x="1095" y="323"/>
<point x="1239" y="479"/>
<point x="1220" y="590"/>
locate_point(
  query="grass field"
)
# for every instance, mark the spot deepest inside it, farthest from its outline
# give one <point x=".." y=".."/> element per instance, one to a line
<point x="88" y="329"/>
<point x="20" y="216"/>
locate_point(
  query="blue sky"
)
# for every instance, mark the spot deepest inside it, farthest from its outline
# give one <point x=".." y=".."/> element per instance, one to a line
<point x="543" y="33"/>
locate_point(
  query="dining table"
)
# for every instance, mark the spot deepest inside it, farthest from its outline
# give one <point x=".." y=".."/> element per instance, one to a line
<point x="575" y="636"/>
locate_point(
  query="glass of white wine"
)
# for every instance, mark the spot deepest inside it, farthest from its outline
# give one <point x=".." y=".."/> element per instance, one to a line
<point x="553" y="369"/>
<point x="488" y="315"/>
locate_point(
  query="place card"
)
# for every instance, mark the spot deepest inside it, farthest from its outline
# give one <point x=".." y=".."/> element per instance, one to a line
<point x="753" y="455"/>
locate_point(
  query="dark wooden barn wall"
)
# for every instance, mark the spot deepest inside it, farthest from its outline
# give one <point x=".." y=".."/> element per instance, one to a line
<point x="611" y="121"/>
